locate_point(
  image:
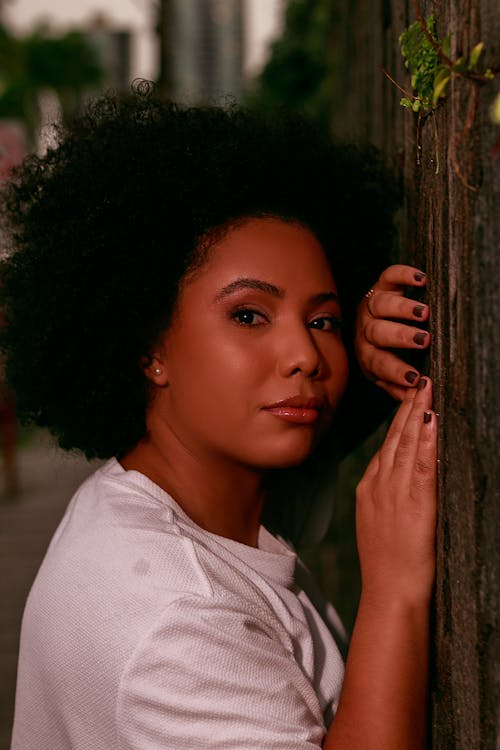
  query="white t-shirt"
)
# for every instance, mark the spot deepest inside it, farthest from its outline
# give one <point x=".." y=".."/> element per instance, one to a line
<point x="144" y="632"/>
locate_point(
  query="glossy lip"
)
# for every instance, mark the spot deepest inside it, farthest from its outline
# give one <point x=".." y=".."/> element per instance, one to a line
<point x="297" y="409"/>
<point x="298" y="402"/>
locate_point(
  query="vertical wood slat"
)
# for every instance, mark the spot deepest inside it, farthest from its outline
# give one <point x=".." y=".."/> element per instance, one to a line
<point x="457" y="230"/>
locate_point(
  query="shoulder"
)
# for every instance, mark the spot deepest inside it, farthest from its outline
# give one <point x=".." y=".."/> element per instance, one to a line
<point x="123" y="547"/>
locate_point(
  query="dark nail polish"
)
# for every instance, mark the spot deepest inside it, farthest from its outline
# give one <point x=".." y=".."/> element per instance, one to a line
<point x="418" y="311"/>
<point x="427" y="417"/>
<point x="419" y="338"/>
<point x="421" y="384"/>
<point x="419" y="276"/>
<point x="411" y="376"/>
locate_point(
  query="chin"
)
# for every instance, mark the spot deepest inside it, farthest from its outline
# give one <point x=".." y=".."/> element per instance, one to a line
<point x="287" y="456"/>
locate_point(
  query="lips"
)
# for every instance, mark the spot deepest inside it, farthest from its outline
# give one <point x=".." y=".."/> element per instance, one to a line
<point x="297" y="409"/>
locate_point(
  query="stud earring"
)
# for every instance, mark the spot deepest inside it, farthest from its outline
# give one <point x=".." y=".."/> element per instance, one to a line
<point x="157" y="371"/>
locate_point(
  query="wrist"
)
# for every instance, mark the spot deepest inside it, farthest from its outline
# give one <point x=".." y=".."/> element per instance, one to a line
<point x="396" y="604"/>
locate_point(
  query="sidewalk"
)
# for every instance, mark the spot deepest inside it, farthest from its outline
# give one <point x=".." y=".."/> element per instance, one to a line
<point x="48" y="479"/>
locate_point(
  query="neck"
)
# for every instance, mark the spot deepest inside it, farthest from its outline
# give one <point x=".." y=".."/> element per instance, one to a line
<point x="222" y="497"/>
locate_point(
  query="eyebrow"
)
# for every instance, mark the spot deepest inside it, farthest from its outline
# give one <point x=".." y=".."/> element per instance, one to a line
<point x="246" y="283"/>
<point x="267" y="288"/>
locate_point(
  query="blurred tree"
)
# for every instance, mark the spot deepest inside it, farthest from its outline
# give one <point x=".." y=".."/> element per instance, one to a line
<point x="303" y="64"/>
<point x="66" y="64"/>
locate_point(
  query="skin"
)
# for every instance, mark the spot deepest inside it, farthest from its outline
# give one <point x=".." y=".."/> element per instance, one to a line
<point x="378" y="330"/>
<point x="233" y="350"/>
<point x="384" y="693"/>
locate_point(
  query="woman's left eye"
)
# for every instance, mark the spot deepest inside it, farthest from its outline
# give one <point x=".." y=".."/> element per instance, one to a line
<point x="326" y="323"/>
<point x="247" y="317"/>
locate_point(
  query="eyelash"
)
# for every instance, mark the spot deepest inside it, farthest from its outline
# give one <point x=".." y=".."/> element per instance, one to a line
<point x="237" y="316"/>
<point x="336" y="323"/>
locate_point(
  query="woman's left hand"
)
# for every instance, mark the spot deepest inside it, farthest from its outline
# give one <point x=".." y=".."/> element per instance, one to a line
<point x="378" y="329"/>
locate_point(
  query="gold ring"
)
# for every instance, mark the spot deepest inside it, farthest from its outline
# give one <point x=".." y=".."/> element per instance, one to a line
<point x="368" y="296"/>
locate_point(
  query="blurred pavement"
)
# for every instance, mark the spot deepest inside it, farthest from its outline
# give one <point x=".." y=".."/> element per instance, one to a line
<point x="48" y="478"/>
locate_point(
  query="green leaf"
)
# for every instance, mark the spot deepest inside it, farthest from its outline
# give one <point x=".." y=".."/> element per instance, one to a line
<point x="475" y="55"/>
<point x="495" y="110"/>
<point x="417" y="105"/>
<point x="405" y="102"/>
<point x="440" y="83"/>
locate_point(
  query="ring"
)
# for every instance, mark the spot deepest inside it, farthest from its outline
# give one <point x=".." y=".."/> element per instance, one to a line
<point x="368" y="296"/>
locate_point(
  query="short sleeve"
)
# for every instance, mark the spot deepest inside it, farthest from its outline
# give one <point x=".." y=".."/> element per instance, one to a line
<point x="211" y="676"/>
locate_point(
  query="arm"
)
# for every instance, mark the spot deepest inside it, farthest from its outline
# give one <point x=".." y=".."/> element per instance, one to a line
<point x="384" y="694"/>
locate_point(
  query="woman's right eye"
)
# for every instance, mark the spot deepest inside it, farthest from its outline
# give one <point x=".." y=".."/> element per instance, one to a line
<point x="248" y="317"/>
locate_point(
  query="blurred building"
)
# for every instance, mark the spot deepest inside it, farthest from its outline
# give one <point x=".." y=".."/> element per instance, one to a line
<point x="113" y="50"/>
<point x="202" y="49"/>
<point x="229" y="28"/>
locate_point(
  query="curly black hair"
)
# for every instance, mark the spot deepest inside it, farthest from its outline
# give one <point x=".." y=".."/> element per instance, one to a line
<point x="101" y="230"/>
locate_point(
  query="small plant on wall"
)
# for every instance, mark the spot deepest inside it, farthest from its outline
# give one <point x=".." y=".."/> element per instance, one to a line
<point x="428" y="60"/>
<point x="431" y="67"/>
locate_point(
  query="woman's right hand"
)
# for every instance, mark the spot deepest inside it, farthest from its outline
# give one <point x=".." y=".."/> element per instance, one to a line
<point x="396" y="507"/>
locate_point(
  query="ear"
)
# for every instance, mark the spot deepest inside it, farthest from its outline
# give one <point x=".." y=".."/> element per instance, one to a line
<point x="155" y="369"/>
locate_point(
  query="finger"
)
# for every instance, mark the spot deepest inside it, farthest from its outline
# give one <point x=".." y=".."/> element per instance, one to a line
<point x="373" y="466"/>
<point x="386" y="366"/>
<point x="407" y="447"/>
<point x="391" y="442"/>
<point x="391" y="305"/>
<point x="391" y="335"/>
<point x="397" y="276"/>
<point x="425" y="467"/>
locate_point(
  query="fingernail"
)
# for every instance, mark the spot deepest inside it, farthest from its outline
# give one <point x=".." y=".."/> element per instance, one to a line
<point x="418" y="311"/>
<point x="411" y="376"/>
<point x="421" y="384"/>
<point x="427" y="417"/>
<point x="419" y="338"/>
<point x="419" y="276"/>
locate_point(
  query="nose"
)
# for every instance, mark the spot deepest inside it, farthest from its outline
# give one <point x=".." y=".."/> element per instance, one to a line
<point x="299" y="353"/>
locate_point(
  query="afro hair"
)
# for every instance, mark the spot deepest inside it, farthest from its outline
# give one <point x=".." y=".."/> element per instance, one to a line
<point x="100" y="231"/>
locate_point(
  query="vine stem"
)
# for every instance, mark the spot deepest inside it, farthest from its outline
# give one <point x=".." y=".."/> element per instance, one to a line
<point x="435" y="46"/>
<point x="471" y="116"/>
<point x="471" y="75"/>
<point x="391" y="79"/>
<point x="495" y="149"/>
<point x="436" y="145"/>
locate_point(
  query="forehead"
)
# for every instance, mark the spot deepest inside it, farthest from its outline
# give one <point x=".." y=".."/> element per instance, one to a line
<point x="282" y="252"/>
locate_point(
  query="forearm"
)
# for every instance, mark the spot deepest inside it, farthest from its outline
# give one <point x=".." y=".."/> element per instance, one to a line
<point x="383" y="702"/>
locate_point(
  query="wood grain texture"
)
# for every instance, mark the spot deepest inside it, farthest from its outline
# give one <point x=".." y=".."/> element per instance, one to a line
<point x="451" y="224"/>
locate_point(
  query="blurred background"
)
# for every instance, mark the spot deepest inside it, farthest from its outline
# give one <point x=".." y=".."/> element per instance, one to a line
<point x="53" y="56"/>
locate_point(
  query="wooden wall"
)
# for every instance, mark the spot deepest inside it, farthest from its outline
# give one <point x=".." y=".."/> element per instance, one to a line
<point x="451" y="225"/>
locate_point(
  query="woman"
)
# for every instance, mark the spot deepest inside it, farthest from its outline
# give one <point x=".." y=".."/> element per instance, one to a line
<point x="174" y="301"/>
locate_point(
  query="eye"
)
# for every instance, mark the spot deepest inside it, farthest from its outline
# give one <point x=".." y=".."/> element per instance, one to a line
<point x="247" y="317"/>
<point x="326" y="323"/>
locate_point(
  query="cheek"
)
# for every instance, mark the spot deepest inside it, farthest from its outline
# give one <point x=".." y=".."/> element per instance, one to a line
<point x="213" y="368"/>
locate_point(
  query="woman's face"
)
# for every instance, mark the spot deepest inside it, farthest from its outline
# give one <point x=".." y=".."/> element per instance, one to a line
<point x="253" y="361"/>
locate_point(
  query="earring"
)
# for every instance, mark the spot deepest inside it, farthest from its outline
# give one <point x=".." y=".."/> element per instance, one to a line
<point x="157" y="371"/>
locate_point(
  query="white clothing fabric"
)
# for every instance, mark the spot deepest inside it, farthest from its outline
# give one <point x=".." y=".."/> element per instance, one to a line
<point x="145" y="632"/>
